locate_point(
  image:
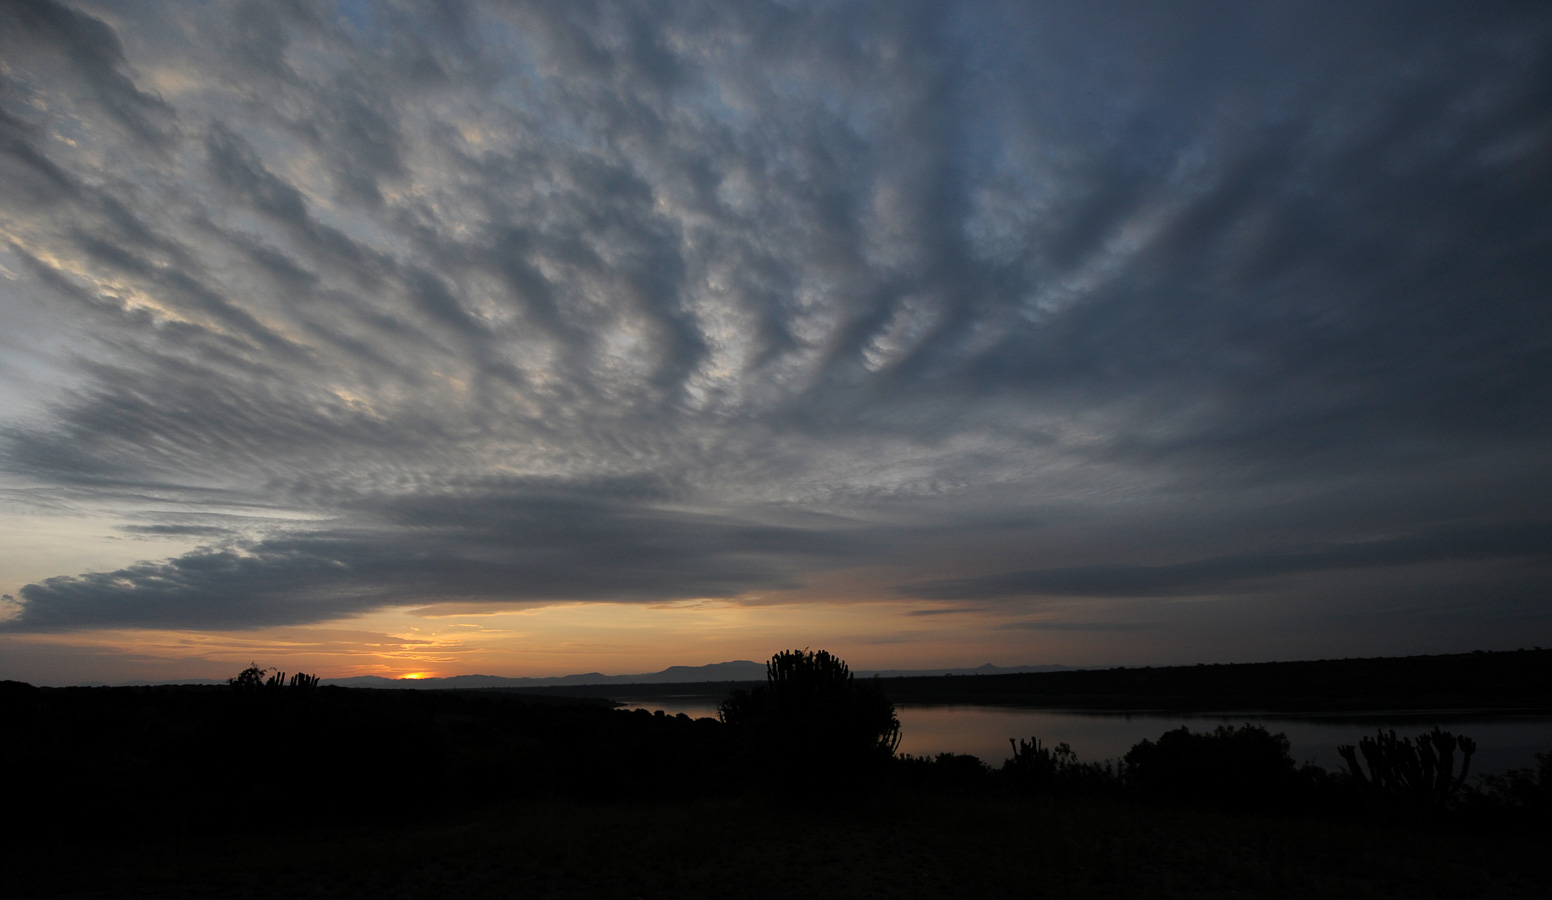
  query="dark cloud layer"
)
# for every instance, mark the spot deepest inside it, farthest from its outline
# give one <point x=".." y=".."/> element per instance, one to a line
<point x="517" y="303"/>
<point x="1207" y="577"/>
<point x="519" y="550"/>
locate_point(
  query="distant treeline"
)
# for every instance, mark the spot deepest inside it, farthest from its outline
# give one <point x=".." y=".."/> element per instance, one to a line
<point x="1520" y="679"/>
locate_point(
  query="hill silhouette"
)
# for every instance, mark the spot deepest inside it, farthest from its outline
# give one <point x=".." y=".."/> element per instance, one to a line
<point x="741" y="671"/>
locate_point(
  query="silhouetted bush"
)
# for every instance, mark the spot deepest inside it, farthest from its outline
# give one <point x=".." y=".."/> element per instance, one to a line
<point x="1518" y="798"/>
<point x="248" y="680"/>
<point x="1406" y="777"/>
<point x="1033" y="767"/>
<point x="812" y="723"/>
<point x="1233" y="768"/>
<point x="951" y="773"/>
<point x="1531" y="788"/>
<point x="1036" y="769"/>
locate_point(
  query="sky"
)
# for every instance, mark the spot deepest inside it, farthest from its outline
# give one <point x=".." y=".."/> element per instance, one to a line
<point x="539" y="338"/>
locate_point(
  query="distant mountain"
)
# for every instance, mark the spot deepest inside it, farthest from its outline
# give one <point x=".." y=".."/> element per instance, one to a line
<point x="987" y="669"/>
<point x="736" y="670"/>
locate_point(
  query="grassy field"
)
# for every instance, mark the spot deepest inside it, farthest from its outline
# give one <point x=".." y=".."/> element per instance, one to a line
<point x="899" y="843"/>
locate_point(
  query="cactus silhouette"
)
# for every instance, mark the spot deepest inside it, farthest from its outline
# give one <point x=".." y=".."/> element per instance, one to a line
<point x="1418" y="777"/>
<point x="1036" y="767"/>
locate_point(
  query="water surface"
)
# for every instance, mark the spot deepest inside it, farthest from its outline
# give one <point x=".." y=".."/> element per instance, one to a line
<point x="1503" y="742"/>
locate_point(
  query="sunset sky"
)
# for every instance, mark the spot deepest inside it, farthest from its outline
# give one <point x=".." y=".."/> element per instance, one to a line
<point x="539" y="338"/>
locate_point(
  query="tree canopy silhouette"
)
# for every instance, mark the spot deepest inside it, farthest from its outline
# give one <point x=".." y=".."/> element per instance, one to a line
<point x="812" y="721"/>
<point x="1228" y="767"/>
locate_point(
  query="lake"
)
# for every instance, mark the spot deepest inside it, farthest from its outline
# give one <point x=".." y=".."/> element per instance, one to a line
<point x="1503" y="742"/>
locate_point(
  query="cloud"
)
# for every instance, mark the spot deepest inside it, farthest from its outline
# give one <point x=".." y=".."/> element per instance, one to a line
<point x="486" y="303"/>
<point x="513" y="544"/>
<point x="1083" y="626"/>
<point x="178" y="530"/>
<point x="81" y="50"/>
<point x="1530" y="542"/>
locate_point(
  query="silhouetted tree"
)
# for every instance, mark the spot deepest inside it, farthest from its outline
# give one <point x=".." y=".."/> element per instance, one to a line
<point x="1245" y="767"/>
<point x="812" y="722"/>
<point x="249" y="679"/>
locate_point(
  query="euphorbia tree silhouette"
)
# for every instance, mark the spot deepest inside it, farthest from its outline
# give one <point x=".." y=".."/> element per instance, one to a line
<point x="812" y="721"/>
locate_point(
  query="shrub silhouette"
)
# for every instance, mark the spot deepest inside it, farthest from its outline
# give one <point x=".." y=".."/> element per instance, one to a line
<point x="950" y="773"/>
<point x="1527" y="791"/>
<point x="249" y="679"/>
<point x="1416" y="778"/>
<point x="812" y="722"/>
<point x="1036" y="769"/>
<point x="1238" y="768"/>
<point x="1037" y="765"/>
<point x="252" y="680"/>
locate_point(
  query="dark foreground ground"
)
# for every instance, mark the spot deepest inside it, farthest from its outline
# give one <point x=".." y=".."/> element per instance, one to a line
<point x="896" y="844"/>
<point x="299" y="791"/>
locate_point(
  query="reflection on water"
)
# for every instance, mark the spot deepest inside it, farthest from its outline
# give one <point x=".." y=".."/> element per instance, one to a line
<point x="1502" y="742"/>
<point x="694" y="707"/>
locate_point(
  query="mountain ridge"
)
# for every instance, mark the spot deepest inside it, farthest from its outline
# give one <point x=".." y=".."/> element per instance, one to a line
<point x="733" y="670"/>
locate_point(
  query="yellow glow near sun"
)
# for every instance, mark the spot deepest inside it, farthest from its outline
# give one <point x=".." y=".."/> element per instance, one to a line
<point x="416" y="676"/>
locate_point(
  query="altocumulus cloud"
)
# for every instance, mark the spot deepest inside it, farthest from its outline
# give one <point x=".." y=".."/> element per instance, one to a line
<point x="508" y="544"/>
<point x="528" y="302"/>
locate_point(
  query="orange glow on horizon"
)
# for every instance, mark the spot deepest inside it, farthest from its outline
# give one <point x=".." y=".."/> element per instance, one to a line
<point x="563" y="639"/>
